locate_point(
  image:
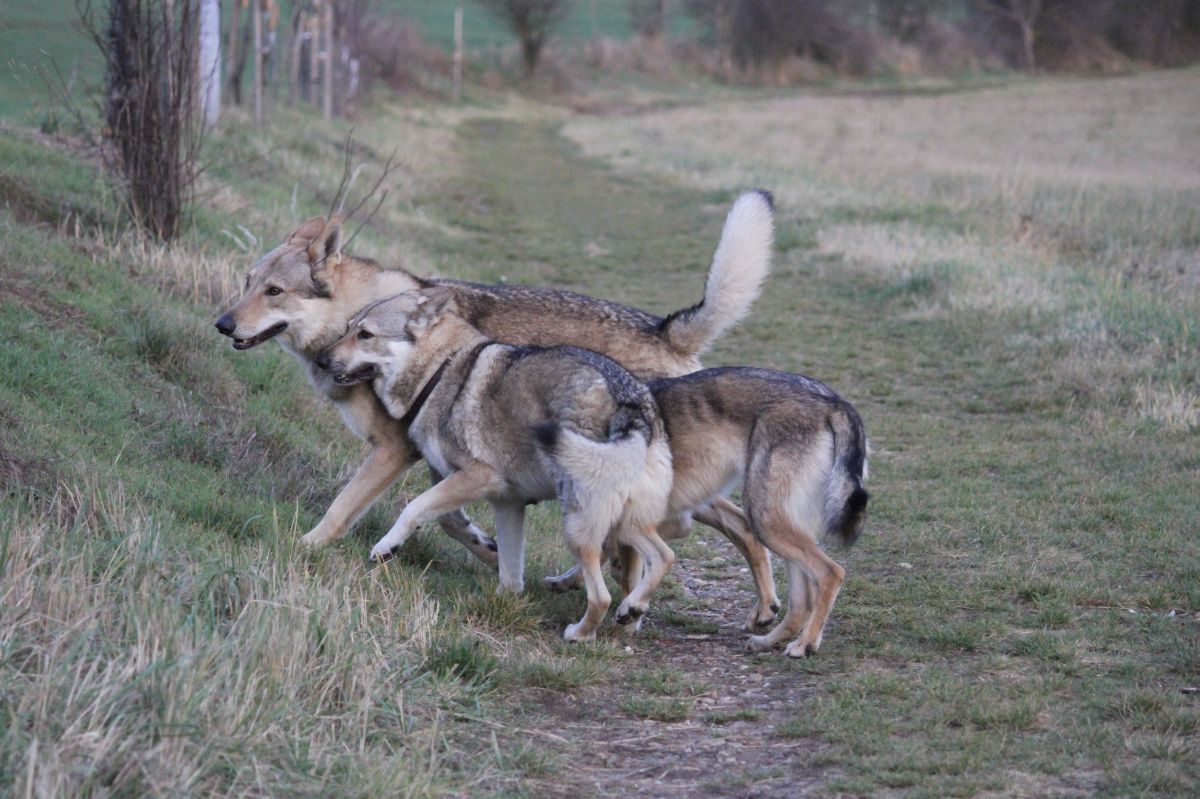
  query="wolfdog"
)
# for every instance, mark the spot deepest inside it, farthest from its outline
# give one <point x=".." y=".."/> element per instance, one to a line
<point x="801" y="453"/>
<point x="304" y="293"/>
<point x="516" y="425"/>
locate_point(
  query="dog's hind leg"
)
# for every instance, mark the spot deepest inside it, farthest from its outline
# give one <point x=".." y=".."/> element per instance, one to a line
<point x="388" y="459"/>
<point x="623" y="569"/>
<point x="658" y="558"/>
<point x="459" y="526"/>
<point x="814" y="580"/>
<point x="587" y="545"/>
<point x="729" y="520"/>
<point x="785" y="503"/>
<point x="829" y="582"/>
<point x="626" y="568"/>
<point x="510" y="536"/>
<point x="797" y="614"/>
<point x="475" y="482"/>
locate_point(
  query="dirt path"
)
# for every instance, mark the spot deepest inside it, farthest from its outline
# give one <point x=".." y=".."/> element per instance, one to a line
<point x="733" y="741"/>
<point x="690" y="712"/>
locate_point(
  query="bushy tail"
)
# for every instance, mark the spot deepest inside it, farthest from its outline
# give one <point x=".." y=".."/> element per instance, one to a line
<point x="845" y="497"/>
<point x="739" y="266"/>
<point x="601" y="466"/>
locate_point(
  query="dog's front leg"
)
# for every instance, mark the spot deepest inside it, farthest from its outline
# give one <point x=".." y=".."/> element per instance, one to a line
<point x="389" y="458"/>
<point x="475" y="482"/>
<point x="459" y="526"/>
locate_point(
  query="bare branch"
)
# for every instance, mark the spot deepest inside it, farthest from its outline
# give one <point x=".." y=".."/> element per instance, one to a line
<point x="343" y="184"/>
<point x="388" y="168"/>
<point x="367" y="221"/>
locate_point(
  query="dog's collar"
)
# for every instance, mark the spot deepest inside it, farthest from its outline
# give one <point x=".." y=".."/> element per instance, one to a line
<point x="423" y="395"/>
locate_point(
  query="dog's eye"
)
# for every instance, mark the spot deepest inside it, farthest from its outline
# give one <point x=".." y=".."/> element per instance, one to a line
<point x="363" y="335"/>
<point x="274" y="291"/>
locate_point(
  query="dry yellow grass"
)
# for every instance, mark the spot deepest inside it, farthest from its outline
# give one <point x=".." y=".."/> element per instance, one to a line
<point x="1132" y="132"/>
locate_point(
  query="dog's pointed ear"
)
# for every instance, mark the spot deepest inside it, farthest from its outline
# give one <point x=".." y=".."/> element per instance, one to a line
<point x="431" y="306"/>
<point x="307" y="231"/>
<point x="325" y="249"/>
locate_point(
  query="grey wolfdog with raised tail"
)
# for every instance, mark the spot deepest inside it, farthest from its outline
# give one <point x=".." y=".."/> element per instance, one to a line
<point x="305" y="291"/>
<point x="514" y="425"/>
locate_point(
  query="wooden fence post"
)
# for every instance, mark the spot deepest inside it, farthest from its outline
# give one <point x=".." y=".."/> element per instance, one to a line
<point x="458" y="52"/>
<point x="256" y="8"/>
<point x="327" y="24"/>
<point x="294" y="53"/>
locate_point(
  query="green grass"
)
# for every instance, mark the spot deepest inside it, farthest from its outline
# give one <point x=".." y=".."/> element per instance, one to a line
<point x="607" y="18"/>
<point x="1019" y="617"/>
<point x="41" y="38"/>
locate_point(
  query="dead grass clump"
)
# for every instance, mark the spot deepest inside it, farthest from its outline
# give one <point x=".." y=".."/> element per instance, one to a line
<point x="953" y="272"/>
<point x="1172" y="407"/>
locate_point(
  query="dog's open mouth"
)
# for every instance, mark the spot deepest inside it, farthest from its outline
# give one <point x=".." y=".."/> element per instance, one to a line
<point x="360" y="375"/>
<point x="254" y="341"/>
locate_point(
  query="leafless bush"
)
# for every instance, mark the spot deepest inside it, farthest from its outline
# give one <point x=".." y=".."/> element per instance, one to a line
<point x="150" y="106"/>
<point x="1099" y="34"/>
<point x="767" y="39"/>
<point x="784" y="40"/>
<point x="392" y="51"/>
<point x="532" y="21"/>
<point x="766" y="32"/>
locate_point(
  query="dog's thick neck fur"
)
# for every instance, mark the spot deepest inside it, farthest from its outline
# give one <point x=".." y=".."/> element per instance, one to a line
<point x="450" y="338"/>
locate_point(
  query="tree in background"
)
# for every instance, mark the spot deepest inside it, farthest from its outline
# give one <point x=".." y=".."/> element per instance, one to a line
<point x="152" y="124"/>
<point x="716" y="22"/>
<point x="532" y="21"/>
<point x="764" y="33"/>
<point x="907" y="20"/>
<point x="210" y="62"/>
<point x="648" y="17"/>
<point x="1024" y="14"/>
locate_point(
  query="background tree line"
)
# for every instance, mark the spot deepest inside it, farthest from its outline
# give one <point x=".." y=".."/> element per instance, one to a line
<point x="169" y="64"/>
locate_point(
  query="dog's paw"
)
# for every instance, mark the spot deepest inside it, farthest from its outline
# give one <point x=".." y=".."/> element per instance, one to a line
<point x="572" y="633"/>
<point x="561" y="583"/>
<point x="800" y="649"/>
<point x="630" y="613"/>
<point x="315" y="539"/>
<point x="383" y="552"/>
<point x="761" y="618"/>
<point x="758" y="643"/>
<point x="634" y="627"/>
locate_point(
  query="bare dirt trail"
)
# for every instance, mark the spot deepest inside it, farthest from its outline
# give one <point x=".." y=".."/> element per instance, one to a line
<point x="734" y="740"/>
<point x="690" y="712"/>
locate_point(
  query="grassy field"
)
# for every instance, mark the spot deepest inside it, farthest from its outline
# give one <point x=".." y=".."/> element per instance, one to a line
<point x="1005" y="282"/>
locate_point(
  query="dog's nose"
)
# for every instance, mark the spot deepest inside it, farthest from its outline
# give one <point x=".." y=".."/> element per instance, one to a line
<point x="226" y="325"/>
<point x="322" y="361"/>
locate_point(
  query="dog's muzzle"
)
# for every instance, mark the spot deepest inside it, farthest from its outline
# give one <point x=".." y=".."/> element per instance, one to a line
<point x="360" y="375"/>
<point x="246" y="343"/>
